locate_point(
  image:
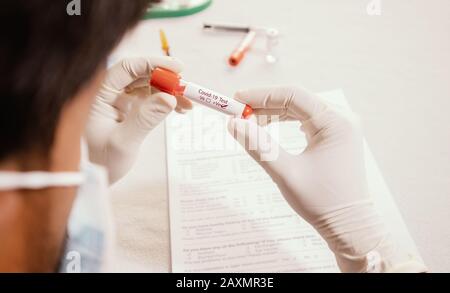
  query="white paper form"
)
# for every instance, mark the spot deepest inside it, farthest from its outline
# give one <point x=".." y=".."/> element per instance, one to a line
<point x="227" y="215"/>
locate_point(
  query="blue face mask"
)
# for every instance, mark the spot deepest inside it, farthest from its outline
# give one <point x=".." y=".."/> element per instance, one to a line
<point x="89" y="242"/>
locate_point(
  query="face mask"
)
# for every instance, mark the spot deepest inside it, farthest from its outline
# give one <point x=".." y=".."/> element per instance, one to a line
<point x="89" y="241"/>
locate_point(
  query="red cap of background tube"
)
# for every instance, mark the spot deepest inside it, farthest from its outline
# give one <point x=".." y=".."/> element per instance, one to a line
<point x="166" y="81"/>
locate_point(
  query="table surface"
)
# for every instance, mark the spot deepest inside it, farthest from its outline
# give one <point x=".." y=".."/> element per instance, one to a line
<point x="394" y="69"/>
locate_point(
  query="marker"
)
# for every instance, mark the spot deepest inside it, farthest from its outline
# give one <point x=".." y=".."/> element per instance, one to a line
<point x="239" y="53"/>
<point x="164" y="43"/>
<point x="171" y="83"/>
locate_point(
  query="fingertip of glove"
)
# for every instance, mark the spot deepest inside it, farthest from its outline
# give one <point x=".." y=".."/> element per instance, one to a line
<point x="166" y="100"/>
<point x="180" y="110"/>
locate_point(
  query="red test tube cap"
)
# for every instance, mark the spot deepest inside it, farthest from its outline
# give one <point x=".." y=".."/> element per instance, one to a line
<point x="236" y="58"/>
<point x="248" y="111"/>
<point x="166" y="81"/>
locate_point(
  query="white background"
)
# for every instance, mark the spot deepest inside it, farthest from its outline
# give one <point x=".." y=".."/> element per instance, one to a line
<point x="395" y="72"/>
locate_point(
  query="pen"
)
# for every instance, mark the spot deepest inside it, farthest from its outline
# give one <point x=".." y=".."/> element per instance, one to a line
<point x="164" y="43"/>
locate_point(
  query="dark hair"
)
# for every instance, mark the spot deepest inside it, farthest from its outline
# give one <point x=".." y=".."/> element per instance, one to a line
<point x="46" y="56"/>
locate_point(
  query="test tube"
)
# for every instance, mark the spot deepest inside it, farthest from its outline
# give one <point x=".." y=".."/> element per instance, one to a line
<point x="170" y="82"/>
<point x="239" y="53"/>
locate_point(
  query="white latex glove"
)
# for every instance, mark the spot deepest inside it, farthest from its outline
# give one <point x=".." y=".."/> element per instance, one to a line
<point x="326" y="184"/>
<point x="126" y="110"/>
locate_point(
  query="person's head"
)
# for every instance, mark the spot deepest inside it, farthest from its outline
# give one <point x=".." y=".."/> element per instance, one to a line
<point x="49" y="60"/>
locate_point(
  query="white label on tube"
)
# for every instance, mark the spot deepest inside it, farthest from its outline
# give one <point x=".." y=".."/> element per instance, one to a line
<point x="213" y="100"/>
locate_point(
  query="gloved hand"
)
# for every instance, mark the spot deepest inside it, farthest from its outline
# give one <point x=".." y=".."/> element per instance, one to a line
<point x="326" y="184"/>
<point x="126" y="110"/>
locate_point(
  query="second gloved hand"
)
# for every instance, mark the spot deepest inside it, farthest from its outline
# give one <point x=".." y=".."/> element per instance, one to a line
<point x="326" y="184"/>
<point x="126" y="110"/>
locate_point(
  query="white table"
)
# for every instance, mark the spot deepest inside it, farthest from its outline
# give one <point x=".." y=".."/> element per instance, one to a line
<point x="394" y="69"/>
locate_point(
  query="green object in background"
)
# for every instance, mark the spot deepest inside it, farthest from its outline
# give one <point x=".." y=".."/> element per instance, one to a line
<point x="174" y="8"/>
